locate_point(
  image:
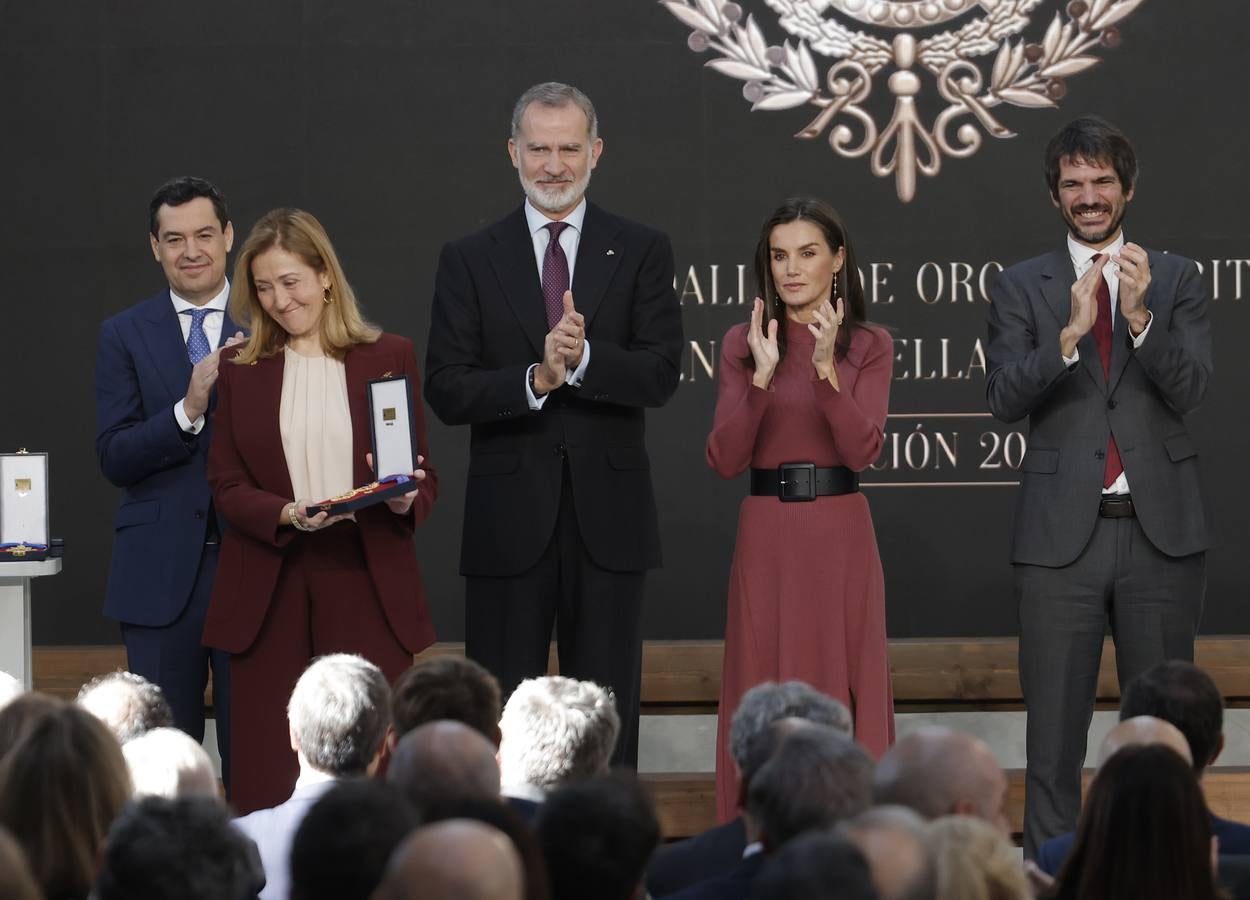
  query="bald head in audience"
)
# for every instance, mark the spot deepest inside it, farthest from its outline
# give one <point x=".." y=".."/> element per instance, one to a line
<point x="895" y="842"/>
<point x="1144" y="730"/>
<point x="457" y="859"/>
<point x="939" y="772"/>
<point x="440" y="764"/>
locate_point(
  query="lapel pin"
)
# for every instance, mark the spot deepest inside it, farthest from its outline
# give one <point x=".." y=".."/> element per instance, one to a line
<point x="611" y="253"/>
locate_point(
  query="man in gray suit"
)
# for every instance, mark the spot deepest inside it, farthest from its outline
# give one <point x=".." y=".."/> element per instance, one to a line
<point x="1104" y="346"/>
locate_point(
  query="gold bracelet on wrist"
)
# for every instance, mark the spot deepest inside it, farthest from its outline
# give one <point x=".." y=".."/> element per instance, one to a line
<point x="293" y="515"/>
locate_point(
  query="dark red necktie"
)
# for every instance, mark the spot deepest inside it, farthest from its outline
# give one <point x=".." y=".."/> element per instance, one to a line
<point x="1102" y="336"/>
<point x="555" y="274"/>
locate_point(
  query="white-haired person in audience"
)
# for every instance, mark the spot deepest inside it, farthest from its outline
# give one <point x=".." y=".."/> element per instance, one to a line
<point x="719" y="849"/>
<point x="127" y="703"/>
<point x="10" y="688"/>
<point x="338" y="717"/>
<point x="939" y="772"/>
<point x="166" y="762"/>
<point x="554" y="730"/>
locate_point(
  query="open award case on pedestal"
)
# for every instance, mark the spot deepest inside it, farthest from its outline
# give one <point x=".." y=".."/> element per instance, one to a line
<point x="24" y="526"/>
<point x="394" y="449"/>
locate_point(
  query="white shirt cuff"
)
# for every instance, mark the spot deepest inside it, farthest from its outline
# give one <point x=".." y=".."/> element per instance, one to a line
<point x="1141" y="338"/>
<point x="534" y="401"/>
<point x="575" y="377"/>
<point x="185" y="423"/>
<point x="1072" y="360"/>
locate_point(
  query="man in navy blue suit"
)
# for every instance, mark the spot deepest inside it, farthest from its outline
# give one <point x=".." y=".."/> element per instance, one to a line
<point x="155" y="369"/>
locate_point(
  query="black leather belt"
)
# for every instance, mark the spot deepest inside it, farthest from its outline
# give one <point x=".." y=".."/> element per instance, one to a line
<point x="1116" y="506"/>
<point x="793" y="482"/>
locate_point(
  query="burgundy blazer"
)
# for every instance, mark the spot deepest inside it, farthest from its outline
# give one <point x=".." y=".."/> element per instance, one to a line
<point x="248" y="475"/>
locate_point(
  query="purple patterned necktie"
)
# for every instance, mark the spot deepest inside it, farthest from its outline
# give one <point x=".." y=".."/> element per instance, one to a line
<point x="197" y="340"/>
<point x="555" y="274"/>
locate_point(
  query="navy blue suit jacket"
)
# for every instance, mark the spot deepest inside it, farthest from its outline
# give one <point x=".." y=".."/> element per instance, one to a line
<point x="1234" y="841"/>
<point x="713" y="853"/>
<point x="736" y="885"/>
<point x="142" y="370"/>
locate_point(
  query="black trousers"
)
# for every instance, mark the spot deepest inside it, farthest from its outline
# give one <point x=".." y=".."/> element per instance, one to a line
<point x="1152" y="602"/>
<point x="173" y="657"/>
<point x="596" y="614"/>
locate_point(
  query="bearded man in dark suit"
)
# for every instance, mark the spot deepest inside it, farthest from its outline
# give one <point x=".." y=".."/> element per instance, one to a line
<point x="552" y="330"/>
<point x="1105" y="347"/>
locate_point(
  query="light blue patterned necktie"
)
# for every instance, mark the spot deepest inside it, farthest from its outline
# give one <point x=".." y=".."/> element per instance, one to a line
<point x="197" y="340"/>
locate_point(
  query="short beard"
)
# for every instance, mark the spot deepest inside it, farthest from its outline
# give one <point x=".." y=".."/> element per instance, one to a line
<point x="552" y="199"/>
<point x="1074" y="226"/>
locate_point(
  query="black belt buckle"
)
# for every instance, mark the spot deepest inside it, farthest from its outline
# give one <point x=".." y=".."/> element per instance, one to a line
<point x="1116" y="506"/>
<point x="796" y="482"/>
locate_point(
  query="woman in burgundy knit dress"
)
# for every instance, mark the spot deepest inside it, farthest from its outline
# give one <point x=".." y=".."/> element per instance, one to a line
<point x="802" y="399"/>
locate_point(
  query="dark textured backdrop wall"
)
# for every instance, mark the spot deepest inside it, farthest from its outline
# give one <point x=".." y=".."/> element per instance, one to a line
<point x="389" y="120"/>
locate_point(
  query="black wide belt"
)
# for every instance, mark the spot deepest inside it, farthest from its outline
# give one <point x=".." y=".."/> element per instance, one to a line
<point x="793" y="482"/>
<point x="1116" y="506"/>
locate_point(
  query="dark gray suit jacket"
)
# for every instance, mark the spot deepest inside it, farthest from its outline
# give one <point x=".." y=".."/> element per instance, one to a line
<point x="1072" y="411"/>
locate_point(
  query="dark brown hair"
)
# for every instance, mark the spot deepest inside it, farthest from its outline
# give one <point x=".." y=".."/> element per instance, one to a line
<point x="846" y="283"/>
<point x="1094" y="140"/>
<point x="1144" y="834"/>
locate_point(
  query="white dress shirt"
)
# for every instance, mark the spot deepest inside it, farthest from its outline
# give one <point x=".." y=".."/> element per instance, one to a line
<point x="1082" y="259"/>
<point x="213" y="323"/>
<point x="570" y="238"/>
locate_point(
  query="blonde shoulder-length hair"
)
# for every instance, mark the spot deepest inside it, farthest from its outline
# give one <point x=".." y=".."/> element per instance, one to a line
<point x="299" y="233"/>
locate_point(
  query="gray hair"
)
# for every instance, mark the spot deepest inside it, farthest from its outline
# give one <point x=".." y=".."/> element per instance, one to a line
<point x="166" y="762"/>
<point x="127" y="703"/>
<point x="555" y="94"/>
<point x="556" y="729"/>
<point x="339" y="712"/>
<point x="817" y="778"/>
<point x="769" y="702"/>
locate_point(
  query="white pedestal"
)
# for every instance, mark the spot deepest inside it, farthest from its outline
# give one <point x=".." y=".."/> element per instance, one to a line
<point x="15" y="614"/>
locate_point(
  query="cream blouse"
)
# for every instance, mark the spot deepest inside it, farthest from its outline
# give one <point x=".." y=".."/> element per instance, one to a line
<point x="316" y="426"/>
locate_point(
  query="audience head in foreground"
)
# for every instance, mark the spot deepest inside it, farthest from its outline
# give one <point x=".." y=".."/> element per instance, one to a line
<point x="895" y="841"/>
<point x="166" y="762"/>
<point x="127" y="703"/>
<point x="816" y="866"/>
<point x="1144" y="833"/>
<point x="177" y="849"/>
<point x="939" y="772"/>
<point x="1143" y="730"/>
<point x="16" y="881"/>
<point x="817" y="778"/>
<point x="343" y="843"/>
<point x="453" y="688"/>
<point x="556" y="730"/>
<point x="338" y="714"/>
<point x="61" y="786"/>
<point x="772" y="701"/>
<point x="21" y="714"/>
<point x="597" y="835"/>
<point x="456" y="859"/>
<point x="974" y="861"/>
<point x="1184" y="695"/>
<point x="440" y="764"/>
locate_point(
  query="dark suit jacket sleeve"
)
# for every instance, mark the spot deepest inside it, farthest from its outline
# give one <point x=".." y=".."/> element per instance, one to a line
<point x="253" y="511"/>
<point x="1178" y="357"/>
<point x="129" y="446"/>
<point x="1024" y="366"/>
<point x="645" y="371"/>
<point x="460" y="387"/>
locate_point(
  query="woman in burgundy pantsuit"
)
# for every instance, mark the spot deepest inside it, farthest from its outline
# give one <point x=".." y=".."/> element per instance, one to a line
<point x="292" y="427"/>
<point x="806" y="381"/>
